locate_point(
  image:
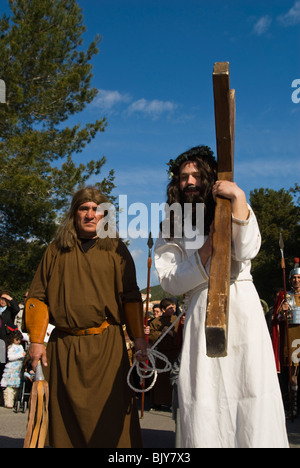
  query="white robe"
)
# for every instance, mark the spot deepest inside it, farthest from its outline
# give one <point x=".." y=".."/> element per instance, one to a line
<point x="234" y="401"/>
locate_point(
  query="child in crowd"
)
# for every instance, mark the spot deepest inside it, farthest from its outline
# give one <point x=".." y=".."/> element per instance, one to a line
<point x="11" y="378"/>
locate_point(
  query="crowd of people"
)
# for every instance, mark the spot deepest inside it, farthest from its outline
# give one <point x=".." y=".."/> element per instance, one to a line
<point x="12" y="353"/>
<point x="14" y="344"/>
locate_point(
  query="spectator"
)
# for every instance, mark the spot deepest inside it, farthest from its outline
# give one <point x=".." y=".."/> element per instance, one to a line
<point x="156" y="312"/>
<point x="11" y="378"/>
<point x="8" y="311"/>
<point x="19" y="316"/>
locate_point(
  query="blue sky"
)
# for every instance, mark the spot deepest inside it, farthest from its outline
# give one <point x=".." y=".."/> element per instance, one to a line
<point x="154" y="76"/>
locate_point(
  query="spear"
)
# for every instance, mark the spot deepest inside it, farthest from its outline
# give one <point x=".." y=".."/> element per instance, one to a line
<point x="150" y="246"/>
<point x="281" y="246"/>
<point x="291" y="393"/>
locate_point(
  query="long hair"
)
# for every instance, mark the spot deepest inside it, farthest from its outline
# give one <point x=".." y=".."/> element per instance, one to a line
<point x="67" y="237"/>
<point x="207" y="166"/>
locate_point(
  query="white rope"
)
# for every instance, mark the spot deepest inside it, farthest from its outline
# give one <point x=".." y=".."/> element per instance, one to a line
<point x="146" y="371"/>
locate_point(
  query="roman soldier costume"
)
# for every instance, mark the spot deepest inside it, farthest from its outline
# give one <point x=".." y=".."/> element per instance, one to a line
<point x="285" y="342"/>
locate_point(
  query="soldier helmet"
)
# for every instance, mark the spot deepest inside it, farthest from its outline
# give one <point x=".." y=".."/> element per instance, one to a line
<point x="295" y="270"/>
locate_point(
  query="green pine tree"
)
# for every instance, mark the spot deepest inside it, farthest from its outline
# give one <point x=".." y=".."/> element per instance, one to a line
<point x="48" y="76"/>
<point x="276" y="211"/>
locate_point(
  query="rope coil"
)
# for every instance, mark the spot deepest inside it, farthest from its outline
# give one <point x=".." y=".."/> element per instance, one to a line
<point x="147" y="370"/>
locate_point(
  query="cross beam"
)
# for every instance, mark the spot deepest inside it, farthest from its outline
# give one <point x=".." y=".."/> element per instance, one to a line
<point x="216" y="327"/>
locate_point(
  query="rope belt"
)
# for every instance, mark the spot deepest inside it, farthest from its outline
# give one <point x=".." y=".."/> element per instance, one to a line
<point x="85" y="331"/>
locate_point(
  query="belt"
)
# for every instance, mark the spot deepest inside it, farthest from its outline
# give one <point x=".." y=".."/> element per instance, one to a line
<point x="85" y="331"/>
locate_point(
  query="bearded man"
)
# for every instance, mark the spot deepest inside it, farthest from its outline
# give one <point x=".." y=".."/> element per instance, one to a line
<point x="233" y="401"/>
<point x="86" y="286"/>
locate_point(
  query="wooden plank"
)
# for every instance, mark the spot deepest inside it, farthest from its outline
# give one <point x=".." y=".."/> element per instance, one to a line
<point x="223" y="120"/>
<point x="216" y="326"/>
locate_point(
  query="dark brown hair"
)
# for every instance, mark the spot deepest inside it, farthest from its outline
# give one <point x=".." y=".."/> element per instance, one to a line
<point x="14" y="335"/>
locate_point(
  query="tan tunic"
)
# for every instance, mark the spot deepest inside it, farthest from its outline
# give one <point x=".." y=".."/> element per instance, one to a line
<point x="91" y="404"/>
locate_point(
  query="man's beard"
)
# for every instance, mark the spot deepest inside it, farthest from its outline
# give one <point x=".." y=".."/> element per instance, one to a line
<point x="199" y="195"/>
<point x="194" y="196"/>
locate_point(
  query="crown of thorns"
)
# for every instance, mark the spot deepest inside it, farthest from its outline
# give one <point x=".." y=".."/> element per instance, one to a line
<point x="199" y="152"/>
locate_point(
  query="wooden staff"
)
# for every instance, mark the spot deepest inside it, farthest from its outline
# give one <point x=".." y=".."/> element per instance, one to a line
<point x="219" y="278"/>
<point x="150" y="245"/>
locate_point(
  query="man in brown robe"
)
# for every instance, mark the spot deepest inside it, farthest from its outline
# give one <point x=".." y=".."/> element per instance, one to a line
<point x="90" y="289"/>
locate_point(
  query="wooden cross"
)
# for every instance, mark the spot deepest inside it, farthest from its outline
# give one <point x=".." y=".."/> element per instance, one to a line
<point x="2" y="92"/>
<point x="216" y="327"/>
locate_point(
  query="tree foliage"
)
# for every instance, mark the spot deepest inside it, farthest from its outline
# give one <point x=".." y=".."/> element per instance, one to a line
<point x="48" y="80"/>
<point x="276" y="211"/>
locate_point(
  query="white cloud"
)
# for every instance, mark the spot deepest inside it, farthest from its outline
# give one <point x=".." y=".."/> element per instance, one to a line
<point x="114" y="101"/>
<point x="153" y="109"/>
<point x="110" y="99"/>
<point x="262" y="25"/>
<point x="292" y="17"/>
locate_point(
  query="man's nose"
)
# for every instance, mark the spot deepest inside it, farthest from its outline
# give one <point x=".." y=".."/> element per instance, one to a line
<point x="191" y="180"/>
<point x="90" y="214"/>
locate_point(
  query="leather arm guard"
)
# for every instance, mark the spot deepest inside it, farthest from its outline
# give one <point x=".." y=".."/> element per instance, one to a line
<point x="36" y="320"/>
<point x="133" y="312"/>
